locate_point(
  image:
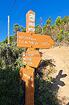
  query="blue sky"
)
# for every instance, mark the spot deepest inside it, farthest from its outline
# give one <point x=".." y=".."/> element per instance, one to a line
<point x="17" y="10"/>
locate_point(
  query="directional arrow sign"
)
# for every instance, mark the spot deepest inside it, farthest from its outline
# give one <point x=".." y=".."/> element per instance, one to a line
<point x="28" y="40"/>
<point x="32" y="58"/>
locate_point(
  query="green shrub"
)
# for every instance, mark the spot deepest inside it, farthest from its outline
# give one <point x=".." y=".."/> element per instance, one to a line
<point x="44" y="95"/>
<point x="9" y="87"/>
<point x="59" y="37"/>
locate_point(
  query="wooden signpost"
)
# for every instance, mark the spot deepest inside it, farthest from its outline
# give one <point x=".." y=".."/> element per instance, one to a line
<point x="32" y="56"/>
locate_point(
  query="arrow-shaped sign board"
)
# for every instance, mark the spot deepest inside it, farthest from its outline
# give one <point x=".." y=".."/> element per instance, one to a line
<point x="32" y="58"/>
<point x="28" y="40"/>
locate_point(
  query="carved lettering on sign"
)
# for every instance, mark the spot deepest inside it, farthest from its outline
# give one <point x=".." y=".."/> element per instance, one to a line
<point x="32" y="58"/>
<point x="34" y="40"/>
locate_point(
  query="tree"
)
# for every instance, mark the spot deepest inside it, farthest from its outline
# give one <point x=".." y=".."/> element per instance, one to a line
<point x="16" y="28"/>
<point x="22" y="29"/>
<point x="38" y="29"/>
<point x="48" y="21"/>
<point x="66" y="19"/>
<point x="19" y="28"/>
<point x="48" y="26"/>
<point x="60" y="36"/>
<point x="58" y="21"/>
<point x="44" y="29"/>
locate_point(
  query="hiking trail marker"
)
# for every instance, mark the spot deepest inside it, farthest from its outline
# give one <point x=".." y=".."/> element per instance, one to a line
<point x="31" y="57"/>
<point x="30" y="21"/>
<point x="29" y="40"/>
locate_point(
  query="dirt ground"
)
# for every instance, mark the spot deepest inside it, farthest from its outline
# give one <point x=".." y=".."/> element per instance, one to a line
<point x="60" y="55"/>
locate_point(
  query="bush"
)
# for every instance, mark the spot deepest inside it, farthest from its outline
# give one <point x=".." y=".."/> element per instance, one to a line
<point x="44" y="95"/>
<point x="9" y="87"/>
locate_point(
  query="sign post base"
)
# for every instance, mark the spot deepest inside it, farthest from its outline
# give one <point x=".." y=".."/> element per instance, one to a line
<point x="27" y="75"/>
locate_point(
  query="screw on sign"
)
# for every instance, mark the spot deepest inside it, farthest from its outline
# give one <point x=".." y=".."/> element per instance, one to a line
<point x="32" y="58"/>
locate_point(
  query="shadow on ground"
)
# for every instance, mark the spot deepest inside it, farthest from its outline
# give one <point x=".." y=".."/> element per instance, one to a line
<point x="46" y="90"/>
<point x="68" y="103"/>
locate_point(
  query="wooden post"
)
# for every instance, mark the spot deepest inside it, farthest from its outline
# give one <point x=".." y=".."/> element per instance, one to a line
<point x="27" y="75"/>
<point x="29" y="96"/>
